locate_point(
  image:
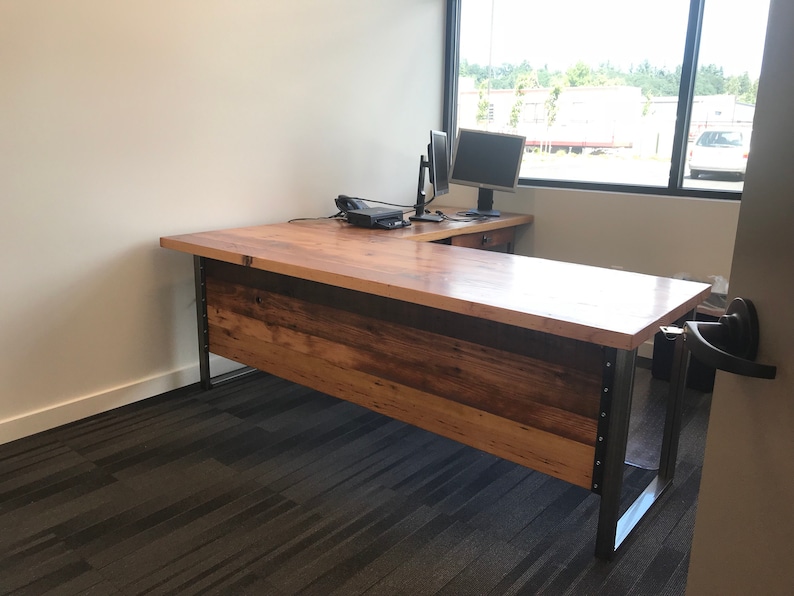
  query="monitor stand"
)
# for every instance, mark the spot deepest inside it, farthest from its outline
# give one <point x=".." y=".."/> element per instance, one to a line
<point x="421" y="195"/>
<point x="485" y="204"/>
<point x="426" y="217"/>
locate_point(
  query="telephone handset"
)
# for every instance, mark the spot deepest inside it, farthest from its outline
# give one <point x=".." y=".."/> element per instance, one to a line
<point x="345" y="203"/>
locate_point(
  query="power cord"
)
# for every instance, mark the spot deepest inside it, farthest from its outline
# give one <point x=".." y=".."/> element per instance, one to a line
<point x="339" y="214"/>
<point x="463" y="216"/>
<point x="408" y="208"/>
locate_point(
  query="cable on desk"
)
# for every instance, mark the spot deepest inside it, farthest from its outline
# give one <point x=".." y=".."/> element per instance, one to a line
<point x="463" y="216"/>
<point x="339" y="215"/>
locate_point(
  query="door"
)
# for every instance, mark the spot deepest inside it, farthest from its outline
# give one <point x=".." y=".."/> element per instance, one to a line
<point x="744" y="529"/>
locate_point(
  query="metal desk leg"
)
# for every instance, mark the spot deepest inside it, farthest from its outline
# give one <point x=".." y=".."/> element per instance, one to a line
<point x="616" y="410"/>
<point x="613" y="530"/>
<point x="675" y="406"/>
<point x="201" y="319"/>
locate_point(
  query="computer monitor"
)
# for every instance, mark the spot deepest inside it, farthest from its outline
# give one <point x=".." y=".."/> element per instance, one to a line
<point x="437" y="163"/>
<point x="488" y="160"/>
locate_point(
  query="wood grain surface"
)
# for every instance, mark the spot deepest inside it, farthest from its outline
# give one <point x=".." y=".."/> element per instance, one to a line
<point x="521" y="395"/>
<point x="607" y="307"/>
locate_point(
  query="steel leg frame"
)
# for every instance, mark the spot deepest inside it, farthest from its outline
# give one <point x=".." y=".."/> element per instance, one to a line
<point x="613" y="529"/>
<point x="201" y="318"/>
<point x="206" y="380"/>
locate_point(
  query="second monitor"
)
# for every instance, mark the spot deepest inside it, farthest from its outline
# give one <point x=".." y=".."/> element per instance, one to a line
<point x="490" y="161"/>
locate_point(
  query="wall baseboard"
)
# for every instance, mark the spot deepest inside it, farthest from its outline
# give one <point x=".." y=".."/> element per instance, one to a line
<point x="38" y="421"/>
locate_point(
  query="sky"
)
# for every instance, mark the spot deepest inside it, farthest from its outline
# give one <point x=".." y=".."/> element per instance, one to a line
<point x="624" y="32"/>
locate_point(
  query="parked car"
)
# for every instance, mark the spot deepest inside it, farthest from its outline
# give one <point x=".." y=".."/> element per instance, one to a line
<point x="721" y="151"/>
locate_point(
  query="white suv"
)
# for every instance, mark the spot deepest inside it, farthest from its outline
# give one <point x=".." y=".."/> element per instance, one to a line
<point x="720" y="151"/>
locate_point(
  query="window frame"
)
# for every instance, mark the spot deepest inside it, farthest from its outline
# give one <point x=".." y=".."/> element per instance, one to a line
<point x="686" y="94"/>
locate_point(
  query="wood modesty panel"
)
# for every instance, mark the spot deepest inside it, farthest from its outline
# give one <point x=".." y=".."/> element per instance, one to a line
<point x="613" y="308"/>
<point x="522" y="395"/>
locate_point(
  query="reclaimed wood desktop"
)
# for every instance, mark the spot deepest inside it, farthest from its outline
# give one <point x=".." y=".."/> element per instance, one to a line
<point x="529" y="359"/>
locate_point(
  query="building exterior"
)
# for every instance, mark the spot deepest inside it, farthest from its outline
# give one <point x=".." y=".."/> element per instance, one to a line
<point x="586" y="119"/>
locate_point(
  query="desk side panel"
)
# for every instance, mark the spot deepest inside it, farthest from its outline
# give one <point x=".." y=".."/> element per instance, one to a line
<point x="526" y="396"/>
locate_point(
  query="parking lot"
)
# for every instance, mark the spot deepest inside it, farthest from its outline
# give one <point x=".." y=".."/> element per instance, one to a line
<point x="618" y="169"/>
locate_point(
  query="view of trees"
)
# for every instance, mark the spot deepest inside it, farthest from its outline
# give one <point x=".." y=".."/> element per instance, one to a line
<point x="654" y="82"/>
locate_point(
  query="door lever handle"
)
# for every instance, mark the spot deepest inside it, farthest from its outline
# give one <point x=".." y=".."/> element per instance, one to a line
<point x="731" y="343"/>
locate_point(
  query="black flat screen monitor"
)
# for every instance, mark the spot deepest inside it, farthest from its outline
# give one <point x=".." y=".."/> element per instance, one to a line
<point x="438" y="154"/>
<point x="437" y="163"/>
<point x="488" y="160"/>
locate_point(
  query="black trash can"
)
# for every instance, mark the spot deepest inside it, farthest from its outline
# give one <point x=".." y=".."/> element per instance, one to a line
<point x="699" y="376"/>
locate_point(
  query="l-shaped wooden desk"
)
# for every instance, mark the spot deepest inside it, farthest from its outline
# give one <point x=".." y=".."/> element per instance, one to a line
<point x="529" y="359"/>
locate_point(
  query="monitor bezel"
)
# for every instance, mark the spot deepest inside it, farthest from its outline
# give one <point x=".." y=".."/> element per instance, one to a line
<point x="438" y="141"/>
<point x="436" y="138"/>
<point x="486" y="185"/>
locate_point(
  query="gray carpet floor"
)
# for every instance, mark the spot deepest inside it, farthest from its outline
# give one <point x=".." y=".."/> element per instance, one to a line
<point x="260" y="486"/>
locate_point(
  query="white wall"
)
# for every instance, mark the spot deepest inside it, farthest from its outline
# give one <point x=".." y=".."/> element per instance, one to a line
<point x="649" y="234"/>
<point x="124" y="121"/>
<point x="644" y="233"/>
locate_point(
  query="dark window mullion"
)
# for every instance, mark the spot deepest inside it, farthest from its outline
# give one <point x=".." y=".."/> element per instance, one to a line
<point x="686" y="94"/>
<point x="451" y="68"/>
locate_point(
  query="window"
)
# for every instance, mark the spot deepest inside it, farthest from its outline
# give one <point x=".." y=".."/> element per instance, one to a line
<point x="613" y="94"/>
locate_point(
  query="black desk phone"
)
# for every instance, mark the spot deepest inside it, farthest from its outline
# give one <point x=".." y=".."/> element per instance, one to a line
<point x="358" y="213"/>
<point x="345" y="203"/>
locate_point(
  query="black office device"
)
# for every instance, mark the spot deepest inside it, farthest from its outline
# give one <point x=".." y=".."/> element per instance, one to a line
<point x="437" y="163"/>
<point x="345" y="203"/>
<point x="377" y="217"/>
<point x="488" y="160"/>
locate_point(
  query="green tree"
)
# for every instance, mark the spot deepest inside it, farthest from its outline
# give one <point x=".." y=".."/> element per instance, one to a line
<point x="656" y="81"/>
<point x="474" y="71"/>
<point x="710" y="80"/>
<point x="551" y="105"/>
<point x="552" y="108"/>
<point x="524" y="81"/>
<point x="545" y="77"/>
<point x="646" y="107"/>
<point x="483" y="104"/>
<point x="652" y="81"/>
<point x="753" y="93"/>
<point x="742" y="87"/>
<point x="579" y="75"/>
